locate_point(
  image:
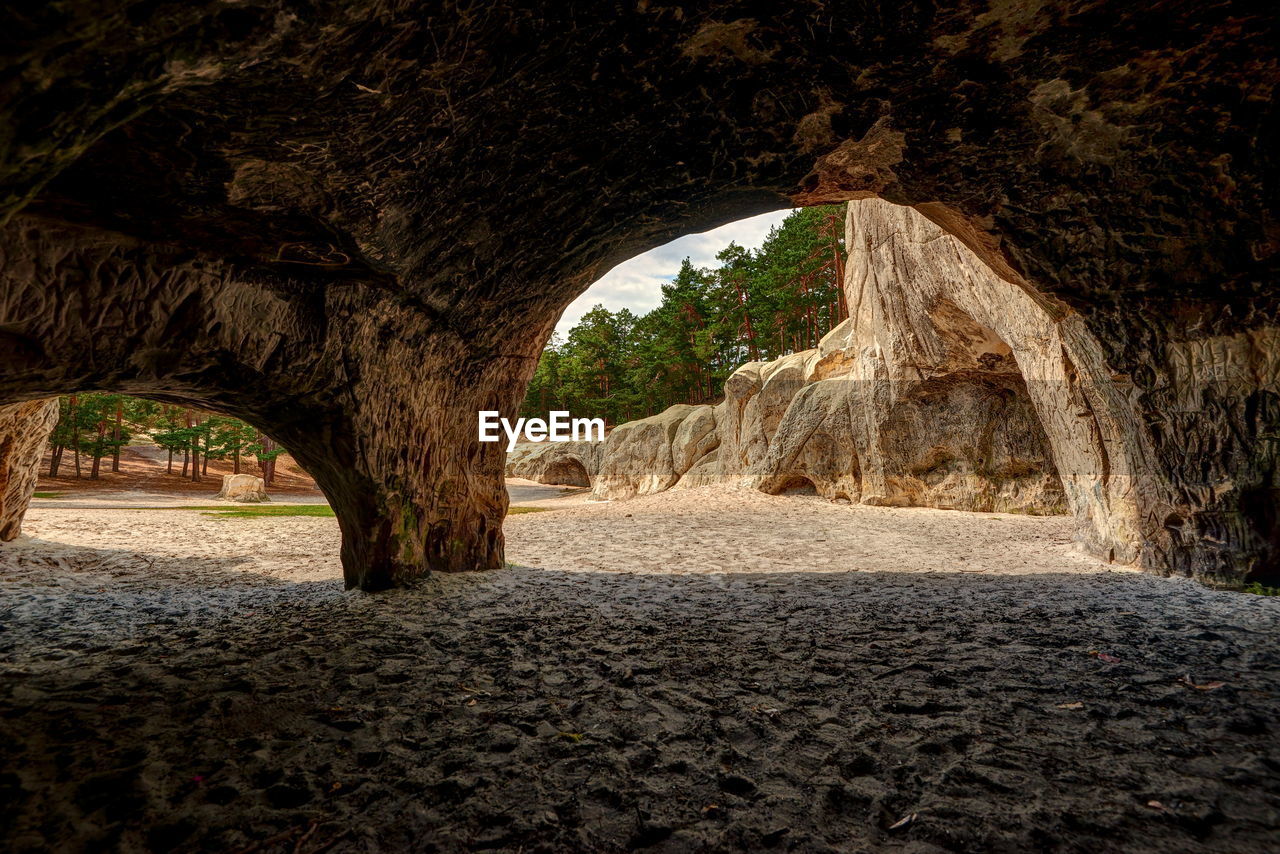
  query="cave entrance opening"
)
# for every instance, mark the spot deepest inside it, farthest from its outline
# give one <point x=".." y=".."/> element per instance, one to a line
<point x="163" y="484"/>
<point x="566" y="472"/>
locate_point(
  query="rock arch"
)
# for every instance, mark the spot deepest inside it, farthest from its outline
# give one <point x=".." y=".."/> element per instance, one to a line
<point x="337" y="219"/>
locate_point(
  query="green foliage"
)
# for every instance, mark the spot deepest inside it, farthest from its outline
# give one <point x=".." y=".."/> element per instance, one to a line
<point x="97" y="424"/>
<point x="757" y="305"/>
<point x="1259" y="589"/>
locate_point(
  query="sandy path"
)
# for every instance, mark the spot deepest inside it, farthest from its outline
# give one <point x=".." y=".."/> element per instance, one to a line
<point x="222" y="689"/>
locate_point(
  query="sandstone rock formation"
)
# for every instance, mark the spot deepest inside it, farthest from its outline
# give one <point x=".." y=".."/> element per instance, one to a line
<point x="354" y="225"/>
<point x="245" y="488"/>
<point x="24" y="428"/>
<point x="639" y="458"/>
<point x="566" y="463"/>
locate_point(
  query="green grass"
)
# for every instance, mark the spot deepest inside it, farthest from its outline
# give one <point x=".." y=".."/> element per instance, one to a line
<point x="514" y="510"/>
<point x="1260" y="589"/>
<point x="268" y="510"/>
<point x="47" y="495"/>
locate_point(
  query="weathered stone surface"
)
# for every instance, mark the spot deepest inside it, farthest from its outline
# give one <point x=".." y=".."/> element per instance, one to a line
<point x="566" y="463"/>
<point x="815" y="444"/>
<point x="355" y="224"/>
<point x="24" y="429"/>
<point x="637" y="456"/>
<point x="972" y="442"/>
<point x="756" y="397"/>
<point x="970" y="385"/>
<point x="245" y="488"/>
<point x="703" y="472"/>
<point x="694" y="439"/>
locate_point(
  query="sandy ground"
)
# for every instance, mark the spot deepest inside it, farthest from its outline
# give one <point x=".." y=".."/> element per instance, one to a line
<point x="694" y="671"/>
<point x="149" y="495"/>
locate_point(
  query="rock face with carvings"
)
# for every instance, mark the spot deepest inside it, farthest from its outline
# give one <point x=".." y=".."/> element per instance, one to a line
<point x="245" y="488"/>
<point x="24" y="428"/>
<point x="564" y="463"/>
<point x="356" y="224"/>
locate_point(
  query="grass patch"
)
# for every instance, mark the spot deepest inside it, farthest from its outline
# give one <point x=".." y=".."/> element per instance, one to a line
<point x="47" y="495"/>
<point x="1259" y="589"/>
<point x="511" y="511"/>
<point x="268" y="510"/>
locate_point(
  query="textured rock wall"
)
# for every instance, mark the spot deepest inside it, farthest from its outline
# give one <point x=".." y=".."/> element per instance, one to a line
<point x="335" y="374"/>
<point x="933" y="322"/>
<point x="643" y="457"/>
<point x="24" y="429"/>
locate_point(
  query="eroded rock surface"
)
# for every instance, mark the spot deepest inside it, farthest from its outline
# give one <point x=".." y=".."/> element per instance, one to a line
<point x="565" y="463"/>
<point x="24" y="428"/>
<point x="639" y="458"/>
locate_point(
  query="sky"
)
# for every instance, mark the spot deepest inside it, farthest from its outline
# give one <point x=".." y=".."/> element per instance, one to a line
<point x="637" y="284"/>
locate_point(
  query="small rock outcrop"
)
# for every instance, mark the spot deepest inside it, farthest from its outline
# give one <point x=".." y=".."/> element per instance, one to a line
<point x="24" y="429"/>
<point x="245" y="488"/>
<point x="563" y="463"/>
<point x="639" y="458"/>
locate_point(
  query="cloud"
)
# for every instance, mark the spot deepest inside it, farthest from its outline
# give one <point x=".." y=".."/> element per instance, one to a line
<point x="637" y="284"/>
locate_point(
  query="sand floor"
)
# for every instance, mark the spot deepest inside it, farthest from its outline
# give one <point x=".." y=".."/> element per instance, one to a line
<point x="694" y="671"/>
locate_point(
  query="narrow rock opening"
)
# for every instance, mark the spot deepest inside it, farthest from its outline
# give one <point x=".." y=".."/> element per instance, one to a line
<point x="567" y="472"/>
<point x="796" y="485"/>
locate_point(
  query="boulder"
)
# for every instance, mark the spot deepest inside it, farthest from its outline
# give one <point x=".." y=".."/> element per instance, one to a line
<point x="694" y="439"/>
<point x="638" y="458"/>
<point x="814" y="445"/>
<point x="565" y="463"/>
<point x="245" y="488"/>
<point x="703" y="472"/>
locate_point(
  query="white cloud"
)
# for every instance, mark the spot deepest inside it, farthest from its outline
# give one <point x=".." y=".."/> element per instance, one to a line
<point x="637" y="284"/>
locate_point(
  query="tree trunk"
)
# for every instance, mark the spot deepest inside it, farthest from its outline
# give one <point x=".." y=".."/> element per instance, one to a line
<point x="55" y="459"/>
<point x="75" y="433"/>
<point x="169" y="470"/>
<point x="236" y="464"/>
<point x="97" y="450"/>
<point x="115" y="438"/>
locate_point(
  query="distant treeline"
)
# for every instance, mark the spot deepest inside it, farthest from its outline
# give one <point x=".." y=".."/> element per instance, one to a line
<point x="94" y="426"/>
<point x="757" y="305"/>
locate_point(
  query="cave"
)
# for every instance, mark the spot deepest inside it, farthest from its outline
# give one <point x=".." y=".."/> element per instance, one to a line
<point x="356" y="225"/>
<point x="796" y="485"/>
<point x="197" y="197"/>
<point x="567" y="472"/>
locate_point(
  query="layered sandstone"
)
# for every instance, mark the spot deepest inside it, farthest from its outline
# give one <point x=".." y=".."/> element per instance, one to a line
<point x="24" y="428"/>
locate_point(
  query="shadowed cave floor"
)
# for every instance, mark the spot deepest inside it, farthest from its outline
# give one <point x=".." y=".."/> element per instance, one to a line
<point x="217" y="690"/>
